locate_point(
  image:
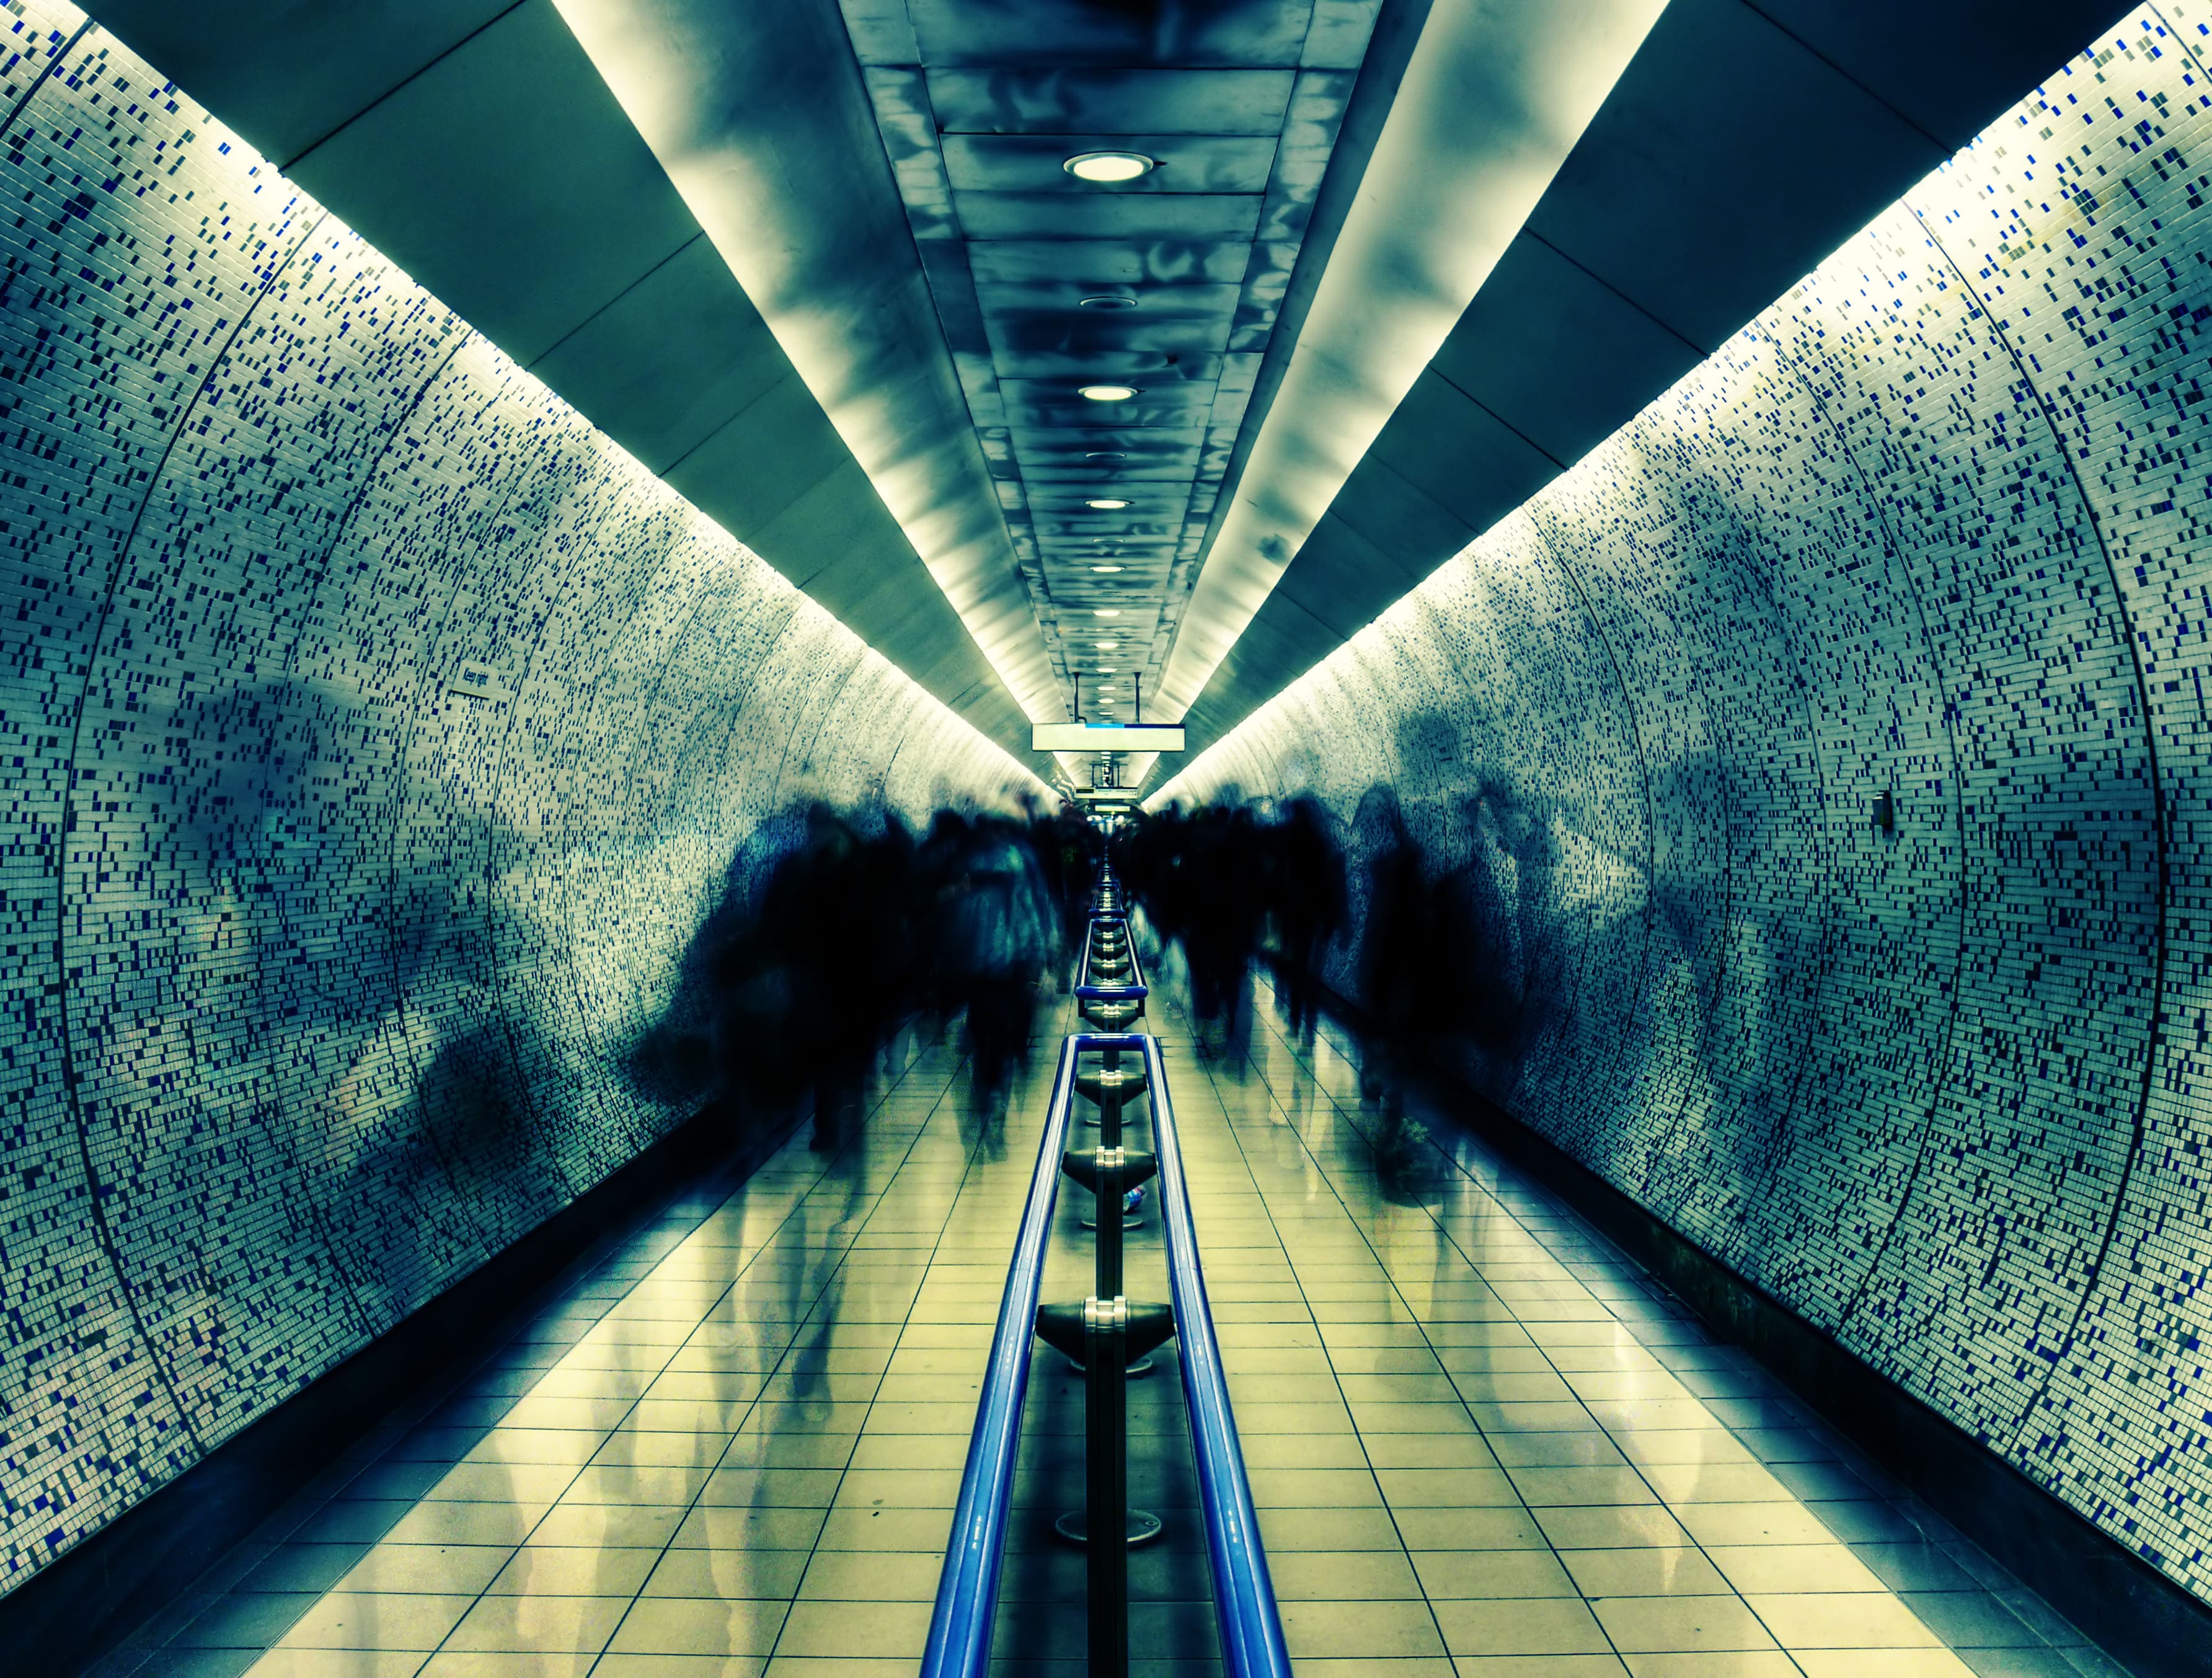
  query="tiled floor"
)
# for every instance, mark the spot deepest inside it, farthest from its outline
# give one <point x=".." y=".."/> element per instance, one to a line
<point x="1480" y="1443"/>
<point x="1484" y="1444"/>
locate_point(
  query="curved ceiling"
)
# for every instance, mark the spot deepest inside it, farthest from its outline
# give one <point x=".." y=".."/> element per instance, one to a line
<point x="820" y="267"/>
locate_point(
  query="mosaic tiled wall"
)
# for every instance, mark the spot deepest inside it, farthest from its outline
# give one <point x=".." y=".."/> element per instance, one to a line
<point x="373" y="736"/>
<point x="1934" y="526"/>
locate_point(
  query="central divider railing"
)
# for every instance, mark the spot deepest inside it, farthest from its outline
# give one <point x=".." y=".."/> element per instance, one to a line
<point x="1244" y="1595"/>
<point x="1112" y="994"/>
<point x="968" y="1591"/>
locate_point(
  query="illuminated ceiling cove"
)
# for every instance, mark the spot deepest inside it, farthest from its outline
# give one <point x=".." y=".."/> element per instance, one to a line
<point x="1493" y="101"/>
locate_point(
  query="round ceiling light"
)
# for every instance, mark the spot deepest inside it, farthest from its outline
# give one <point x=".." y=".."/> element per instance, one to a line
<point x="1105" y="570"/>
<point x="1107" y="392"/>
<point x="1109" y="166"/>
<point x="1106" y="299"/>
<point x="1106" y="612"/>
<point x="1106" y="504"/>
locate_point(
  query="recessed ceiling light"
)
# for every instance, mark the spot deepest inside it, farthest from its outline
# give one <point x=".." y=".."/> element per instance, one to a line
<point x="1108" y="166"/>
<point x="1105" y="570"/>
<point x="1106" y="612"/>
<point x="1106" y="504"/>
<point x="1107" y="392"/>
<point x="1106" y="301"/>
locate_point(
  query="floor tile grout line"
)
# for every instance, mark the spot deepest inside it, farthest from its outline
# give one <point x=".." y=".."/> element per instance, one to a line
<point x="1358" y="1433"/>
<point x="952" y="1207"/>
<point x="1613" y="1435"/>
<point x="515" y="1549"/>
<point x="675" y="1351"/>
<point x="1849" y="1456"/>
<point x="1599" y="1425"/>
<point x="753" y="1404"/>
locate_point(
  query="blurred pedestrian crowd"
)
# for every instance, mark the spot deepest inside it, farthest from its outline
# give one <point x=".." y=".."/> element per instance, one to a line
<point x="838" y="930"/>
<point x="1444" y="955"/>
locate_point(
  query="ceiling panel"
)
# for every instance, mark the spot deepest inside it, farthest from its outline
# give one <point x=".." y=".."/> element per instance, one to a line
<point x="285" y="80"/>
<point x="961" y="32"/>
<point x="517" y="85"/>
<point x="1968" y="58"/>
<point x="1145" y="216"/>
<point x="1169" y="283"/>
<point x="1743" y="115"/>
<point x="1116" y="101"/>
<point x="1554" y="351"/>
<point x="1459" y="456"/>
<point x="671" y="361"/>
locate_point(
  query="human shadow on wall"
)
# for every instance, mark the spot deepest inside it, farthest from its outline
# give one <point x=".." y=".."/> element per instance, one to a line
<point x="282" y="943"/>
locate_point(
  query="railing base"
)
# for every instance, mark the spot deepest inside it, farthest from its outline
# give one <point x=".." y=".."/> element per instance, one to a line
<point x="1143" y="1527"/>
<point x="1142" y="1366"/>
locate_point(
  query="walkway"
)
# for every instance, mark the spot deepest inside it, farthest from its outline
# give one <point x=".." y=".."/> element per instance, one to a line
<point x="1480" y="1443"/>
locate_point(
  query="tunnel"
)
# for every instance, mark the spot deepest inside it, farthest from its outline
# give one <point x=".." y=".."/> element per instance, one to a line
<point x="802" y="796"/>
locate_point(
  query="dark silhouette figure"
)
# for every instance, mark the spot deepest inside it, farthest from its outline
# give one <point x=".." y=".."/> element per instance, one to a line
<point x="1400" y="984"/>
<point x="1221" y="916"/>
<point x="819" y="928"/>
<point x="1000" y="927"/>
<point x="1306" y="895"/>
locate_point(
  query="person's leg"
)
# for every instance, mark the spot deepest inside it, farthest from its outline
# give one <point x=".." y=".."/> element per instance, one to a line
<point x="986" y="1048"/>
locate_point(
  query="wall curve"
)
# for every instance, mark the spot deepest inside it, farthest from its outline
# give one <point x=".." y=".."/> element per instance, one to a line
<point x="377" y="735"/>
<point x="1933" y="527"/>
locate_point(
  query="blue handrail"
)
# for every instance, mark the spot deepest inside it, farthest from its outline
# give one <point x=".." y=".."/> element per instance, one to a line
<point x="1244" y="1595"/>
<point x="959" y="1644"/>
<point x="1130" y="989"/>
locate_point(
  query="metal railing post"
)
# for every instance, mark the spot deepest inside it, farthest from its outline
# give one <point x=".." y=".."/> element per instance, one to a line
<point x="1110" y="1173"/>
<point x="1106" y="1332"/>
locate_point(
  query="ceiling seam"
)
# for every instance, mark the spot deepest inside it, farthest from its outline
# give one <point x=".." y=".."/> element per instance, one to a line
<point x="505" y="12"/>
<point x="633" y="285"/>
<point x="1447" y="379"/>
<point x="1803" y="45"/>
<point x="1529" y="231"/>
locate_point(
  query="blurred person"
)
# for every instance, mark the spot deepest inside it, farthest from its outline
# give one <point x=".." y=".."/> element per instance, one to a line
<point x="1306" y="889"/>
<point x="1070" y="849"/>
<point x="938" y="866"/>
<point x="816" y="922"/>
<point x="1221" y="914"/>
<point x="1398" y="980"/>
<point x="1000" y="929"/>
<point x="895" y="915"/>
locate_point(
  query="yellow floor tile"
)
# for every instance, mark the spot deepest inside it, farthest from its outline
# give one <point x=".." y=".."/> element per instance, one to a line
<point x="687" y="1625"/>
<point x="1680" y="1624"/>
<point x="350" y="1619"/>
<point x="555" y="1624"/>
<point x="1842" y="1620"/>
